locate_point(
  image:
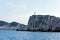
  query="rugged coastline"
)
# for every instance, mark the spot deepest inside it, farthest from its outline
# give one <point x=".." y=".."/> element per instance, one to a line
<point x="43" y="23"/>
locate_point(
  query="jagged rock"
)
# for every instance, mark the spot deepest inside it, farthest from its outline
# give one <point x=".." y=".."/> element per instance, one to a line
<point x="43" y="23"/>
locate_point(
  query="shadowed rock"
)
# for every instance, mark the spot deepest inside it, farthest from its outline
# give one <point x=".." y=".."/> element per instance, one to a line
<point x="44" y="23"/>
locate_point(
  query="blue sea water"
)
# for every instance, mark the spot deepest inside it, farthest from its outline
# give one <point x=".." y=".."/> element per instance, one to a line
<point x="24" y="35"/>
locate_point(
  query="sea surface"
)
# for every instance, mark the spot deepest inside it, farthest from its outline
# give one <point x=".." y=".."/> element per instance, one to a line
<point x="25" y="35"/>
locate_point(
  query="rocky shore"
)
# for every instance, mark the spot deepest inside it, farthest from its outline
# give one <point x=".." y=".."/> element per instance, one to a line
<point x="44" y="23"/>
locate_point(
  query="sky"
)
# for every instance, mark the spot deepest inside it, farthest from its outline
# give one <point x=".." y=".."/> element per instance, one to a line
<point x="21" y="10"/>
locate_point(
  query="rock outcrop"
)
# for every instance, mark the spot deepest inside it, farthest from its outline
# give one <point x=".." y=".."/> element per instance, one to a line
<point x="43" y="23"/>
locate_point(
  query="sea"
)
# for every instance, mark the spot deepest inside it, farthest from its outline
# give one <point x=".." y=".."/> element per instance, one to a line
<point x="26" y="35"/>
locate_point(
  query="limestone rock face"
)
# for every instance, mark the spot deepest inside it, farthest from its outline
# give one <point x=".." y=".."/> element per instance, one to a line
<point x="43" y="23"/>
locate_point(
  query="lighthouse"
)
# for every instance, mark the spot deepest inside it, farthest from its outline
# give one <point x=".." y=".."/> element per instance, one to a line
<point x="34" y="13"/>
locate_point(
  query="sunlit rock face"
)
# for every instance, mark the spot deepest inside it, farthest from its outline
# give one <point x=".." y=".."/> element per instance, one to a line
<point x="43" y="23"/>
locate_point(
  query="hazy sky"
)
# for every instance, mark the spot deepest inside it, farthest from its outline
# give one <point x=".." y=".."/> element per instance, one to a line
<point x="20" y="10"/>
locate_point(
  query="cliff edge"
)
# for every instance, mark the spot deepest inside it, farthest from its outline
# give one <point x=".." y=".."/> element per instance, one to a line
<point x="43" y="23"/>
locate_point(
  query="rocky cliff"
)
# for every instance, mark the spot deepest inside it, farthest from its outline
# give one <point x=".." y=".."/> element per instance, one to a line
<point x="44" y="23"/>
